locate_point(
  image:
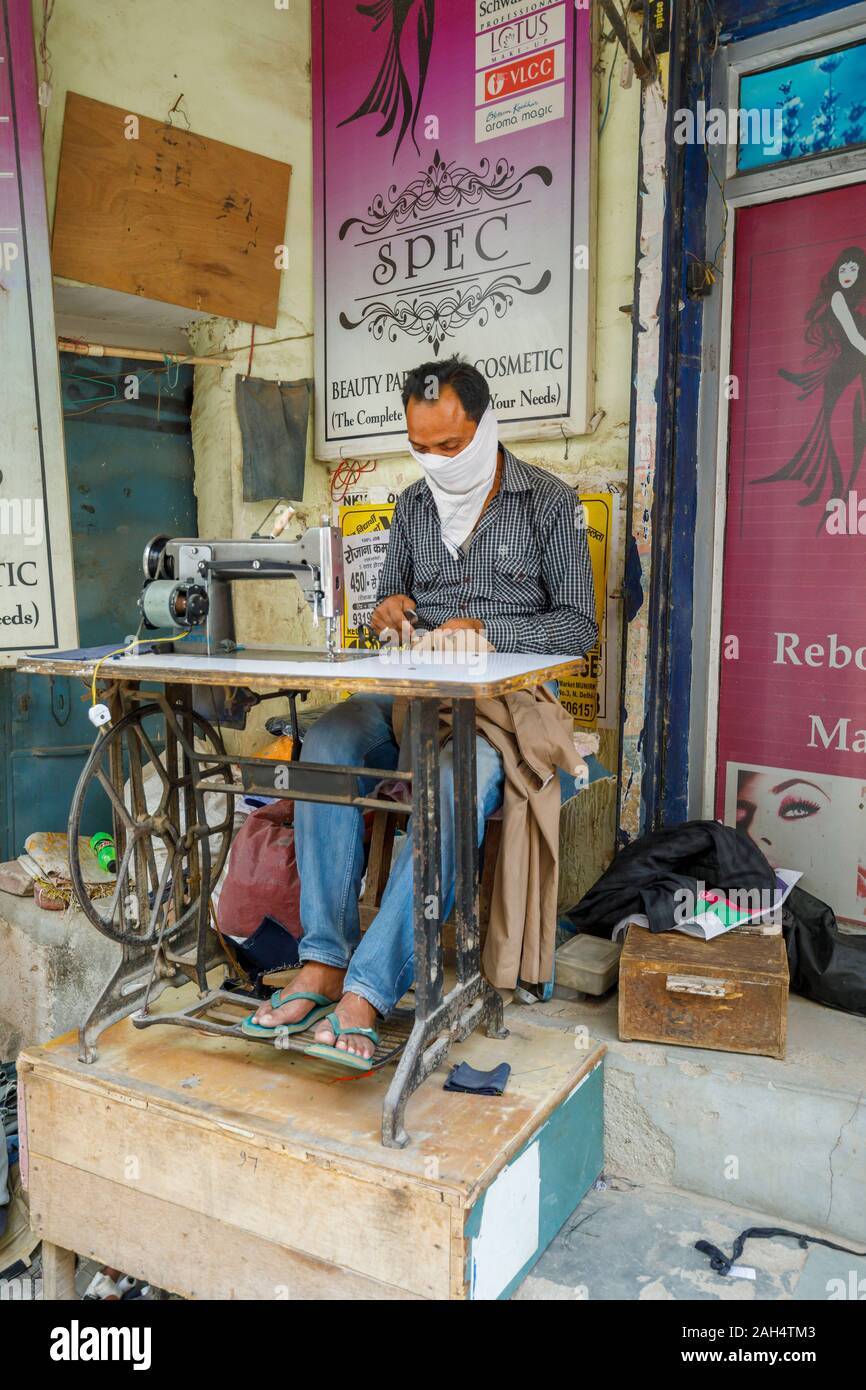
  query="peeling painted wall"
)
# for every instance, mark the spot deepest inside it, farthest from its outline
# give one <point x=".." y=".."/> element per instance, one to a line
<point x="244" y="71"/>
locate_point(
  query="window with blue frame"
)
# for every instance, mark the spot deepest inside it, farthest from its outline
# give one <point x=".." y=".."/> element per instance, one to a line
<point x="817" y="104"/>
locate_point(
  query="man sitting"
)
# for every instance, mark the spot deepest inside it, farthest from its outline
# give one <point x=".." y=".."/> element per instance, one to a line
<point x="481" y="542"/>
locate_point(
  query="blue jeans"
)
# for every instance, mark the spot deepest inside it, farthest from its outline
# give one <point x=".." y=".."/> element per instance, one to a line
<point x="329" y="843"/>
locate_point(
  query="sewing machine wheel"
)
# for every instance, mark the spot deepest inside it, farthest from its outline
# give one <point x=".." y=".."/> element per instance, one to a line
<point x="153" y="561"/>
<point x="171" y="837"/>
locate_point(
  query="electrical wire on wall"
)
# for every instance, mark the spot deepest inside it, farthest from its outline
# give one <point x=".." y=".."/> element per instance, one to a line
<point x="603" y="123"/>
<point x="254" y="342"/>
<point x="178" y="110"/>
<point x="107" y="381"/>
<point x="623" y="40"/>
<point x="45" y="89"/>
<point x="713" y="266"/>
<point x="347" y="475"/>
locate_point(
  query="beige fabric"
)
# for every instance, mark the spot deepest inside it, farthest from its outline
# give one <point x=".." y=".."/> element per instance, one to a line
<point x="534" y="736"/>
<point x="459" y="644"/>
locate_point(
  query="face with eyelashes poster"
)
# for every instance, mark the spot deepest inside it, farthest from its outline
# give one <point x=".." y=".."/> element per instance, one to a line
<point x="808" y="821"/>
<point x="791" y="768"/>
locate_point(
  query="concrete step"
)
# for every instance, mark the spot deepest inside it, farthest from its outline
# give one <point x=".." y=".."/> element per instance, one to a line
<point x="54" y="965"/>
<point x="786" y="1138"/>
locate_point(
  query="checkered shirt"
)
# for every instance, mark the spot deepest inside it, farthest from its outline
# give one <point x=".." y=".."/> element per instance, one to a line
<point x="526" y="573"/>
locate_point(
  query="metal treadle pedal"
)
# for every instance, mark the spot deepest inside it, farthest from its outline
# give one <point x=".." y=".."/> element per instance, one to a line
<point x="221" y="1012"/>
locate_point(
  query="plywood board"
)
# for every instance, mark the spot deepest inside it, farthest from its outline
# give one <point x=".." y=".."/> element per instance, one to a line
<point x="297" y="1107"/>
<point x="201" y="1258"/>
<point x="169" y="215"/>
<point x="214" y="1171"/>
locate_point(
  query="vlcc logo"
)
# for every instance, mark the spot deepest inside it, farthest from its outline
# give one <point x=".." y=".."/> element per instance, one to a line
<point x="520" y="75"/>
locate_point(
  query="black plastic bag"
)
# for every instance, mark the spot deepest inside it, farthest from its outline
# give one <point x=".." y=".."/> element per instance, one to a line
<point x="825" y="963"/>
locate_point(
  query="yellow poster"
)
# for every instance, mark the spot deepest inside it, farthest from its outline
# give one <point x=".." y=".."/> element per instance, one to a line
<point x="365" y="528"/>
<point x="591" y="699"/>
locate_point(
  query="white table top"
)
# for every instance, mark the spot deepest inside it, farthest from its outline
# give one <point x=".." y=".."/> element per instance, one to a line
<point x="489" y="674"/>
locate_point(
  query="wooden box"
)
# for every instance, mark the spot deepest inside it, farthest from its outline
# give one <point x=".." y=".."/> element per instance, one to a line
<point x="729" y="994"/>
<point x="221" y="1169"/>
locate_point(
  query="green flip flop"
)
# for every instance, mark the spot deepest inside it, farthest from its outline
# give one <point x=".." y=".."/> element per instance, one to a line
<point x="321" y="1005"/>
<point x="328" y="1053"/>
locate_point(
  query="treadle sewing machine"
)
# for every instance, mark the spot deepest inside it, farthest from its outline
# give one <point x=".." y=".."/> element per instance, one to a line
<point x="170" y="787"/>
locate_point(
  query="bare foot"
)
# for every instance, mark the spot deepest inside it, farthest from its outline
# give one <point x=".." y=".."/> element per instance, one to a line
<point x="352" y="1011"/>
<point x="314" y="979"/>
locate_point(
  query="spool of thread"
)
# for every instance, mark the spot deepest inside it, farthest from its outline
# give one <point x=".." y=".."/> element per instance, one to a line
<point x="104" y="849"/>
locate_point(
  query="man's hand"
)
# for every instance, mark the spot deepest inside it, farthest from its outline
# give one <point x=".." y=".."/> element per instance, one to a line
<point x="461" y="625"/>
<point x="459" y="638"/>
<point x="391" y="614"/>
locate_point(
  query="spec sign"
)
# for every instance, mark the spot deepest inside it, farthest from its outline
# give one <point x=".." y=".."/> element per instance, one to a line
<point x="453" y="157"/>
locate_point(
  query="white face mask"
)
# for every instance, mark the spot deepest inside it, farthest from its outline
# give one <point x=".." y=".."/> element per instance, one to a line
<point x="460" y="483"/>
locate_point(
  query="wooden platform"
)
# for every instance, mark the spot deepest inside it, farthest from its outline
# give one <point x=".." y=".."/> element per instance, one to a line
<point x="222" y="1169"/>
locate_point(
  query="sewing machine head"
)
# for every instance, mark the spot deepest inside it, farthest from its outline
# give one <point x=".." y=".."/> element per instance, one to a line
<point x="187" y="582"/>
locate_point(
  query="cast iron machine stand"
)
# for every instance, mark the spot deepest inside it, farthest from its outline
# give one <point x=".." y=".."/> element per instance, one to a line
<point x="171" y="785"/>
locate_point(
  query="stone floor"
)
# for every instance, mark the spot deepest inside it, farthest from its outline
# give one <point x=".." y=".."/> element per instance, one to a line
<point x="627" y="1242"/>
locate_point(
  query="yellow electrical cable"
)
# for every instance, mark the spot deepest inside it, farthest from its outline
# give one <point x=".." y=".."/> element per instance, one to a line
<point x="124" y="651"/>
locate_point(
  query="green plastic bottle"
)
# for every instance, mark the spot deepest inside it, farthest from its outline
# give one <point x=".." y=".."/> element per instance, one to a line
<point x="104" y="849"/>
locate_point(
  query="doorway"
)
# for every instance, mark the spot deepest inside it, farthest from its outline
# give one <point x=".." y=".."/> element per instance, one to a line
<point x="129" y="465"/>
<point x="779" y="691"/>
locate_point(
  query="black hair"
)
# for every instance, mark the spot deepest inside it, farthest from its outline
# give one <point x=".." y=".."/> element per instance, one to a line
<point x="465" y="380"/>
<point x="822" y="330"/>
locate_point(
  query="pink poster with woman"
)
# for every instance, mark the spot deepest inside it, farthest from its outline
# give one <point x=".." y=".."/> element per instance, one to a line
<point x="792" y="698"/>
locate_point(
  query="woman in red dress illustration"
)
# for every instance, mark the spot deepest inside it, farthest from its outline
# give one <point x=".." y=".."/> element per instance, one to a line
<point x="834" y="328"/>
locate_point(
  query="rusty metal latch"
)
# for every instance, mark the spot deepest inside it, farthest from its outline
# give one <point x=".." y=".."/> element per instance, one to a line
<point x="696" y="984"/>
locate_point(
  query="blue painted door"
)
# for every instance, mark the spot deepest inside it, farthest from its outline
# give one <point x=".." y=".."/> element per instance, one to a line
<point x="130" y="469"/>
